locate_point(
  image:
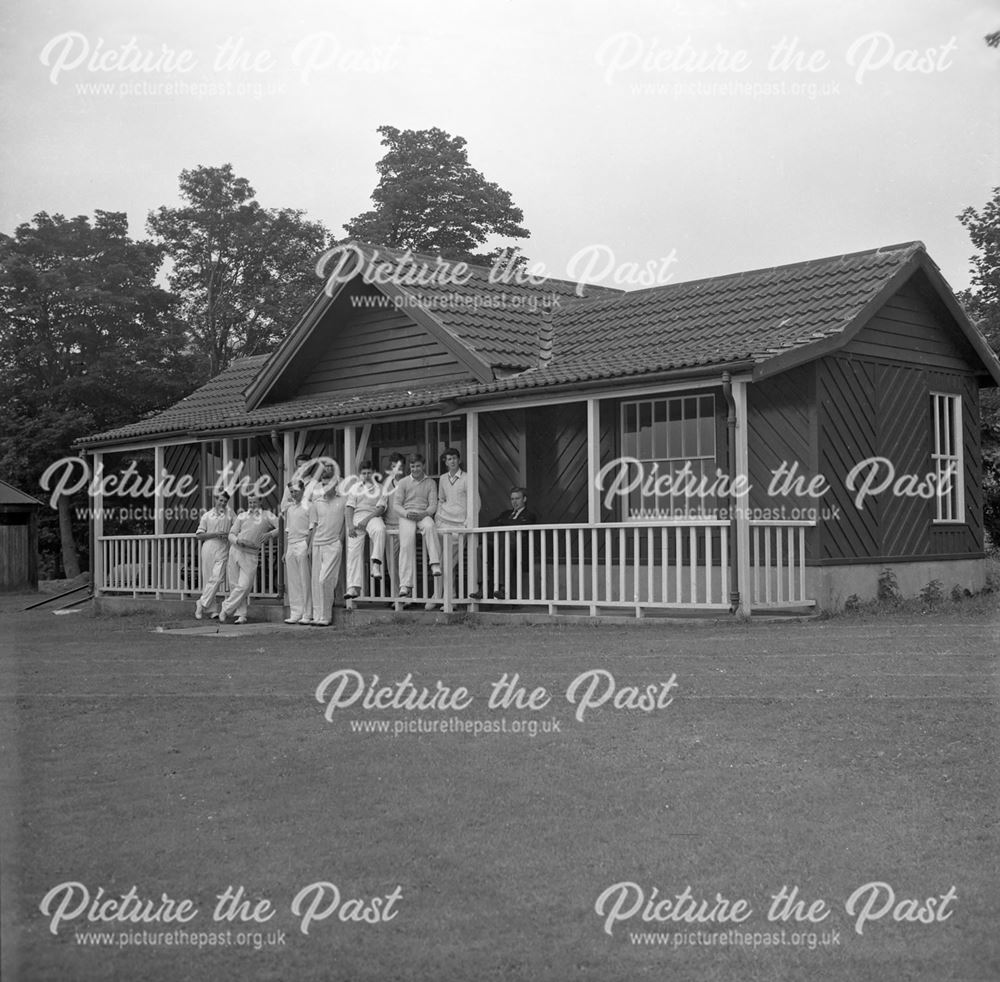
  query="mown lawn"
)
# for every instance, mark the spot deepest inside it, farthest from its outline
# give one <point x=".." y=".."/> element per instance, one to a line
<point x="824" y="756"/>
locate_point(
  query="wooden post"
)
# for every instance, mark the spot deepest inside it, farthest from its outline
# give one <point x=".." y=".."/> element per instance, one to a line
<point x="227" y="460"/>
<point x="743" y="503"/>
<point x="350" y="450"/>
<point x="159" y="464"/>
<point x="97" y="503"/>
<point x="288" y="456"/>
<point x="593" y="460"/>
<point x="472" y="514"/>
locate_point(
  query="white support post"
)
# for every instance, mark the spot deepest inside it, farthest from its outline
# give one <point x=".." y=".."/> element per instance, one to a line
<point x="300" y="442"/>
<point x="227" y="463"/>
<point x="288" y="455"/>
<point x="159" y="465"/>
<point x="362" y="449"/>
<point x="472" y="513"/>
<point x="350" y="450"/>
<point x="742" y="503"/>
<point x="593" y="460"/>
<point x="97" y="503"/>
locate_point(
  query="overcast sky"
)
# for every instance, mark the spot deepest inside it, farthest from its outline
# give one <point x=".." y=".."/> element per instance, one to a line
<point x="708" y="137"/>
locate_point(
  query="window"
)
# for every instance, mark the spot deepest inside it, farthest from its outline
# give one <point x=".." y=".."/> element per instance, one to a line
<point x="949" y="504"/>
<point x="674" y="441"/>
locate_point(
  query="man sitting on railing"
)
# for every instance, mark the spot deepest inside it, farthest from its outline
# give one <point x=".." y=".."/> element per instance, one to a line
<point x="364" y="509"/>
<point x="503" y="573"/>
<point x="415" y="501"/>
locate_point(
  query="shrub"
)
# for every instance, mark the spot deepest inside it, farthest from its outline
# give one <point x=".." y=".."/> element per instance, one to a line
<point x="932" y="594"/>
<point x="888" y="587"/>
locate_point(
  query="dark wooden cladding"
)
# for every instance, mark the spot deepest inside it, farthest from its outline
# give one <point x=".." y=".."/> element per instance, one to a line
<point x="908" y="330"/>
<point x="501" y="460"/>
<point x="845" y="393"/>
<point x="181" y="514"/>
<point x="869" y="408"/>
<point x="355" y="347"/>
<point x="780" y="415"/>
<point x="557" y="462"/>
<point x="378" y="349"/>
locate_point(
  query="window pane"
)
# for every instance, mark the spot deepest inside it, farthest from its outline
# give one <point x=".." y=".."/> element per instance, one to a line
<point x="645" y="431"/>
<point x="690" y="446"/>
<point x="628" y="437"/>
<point x="706" y="426"/>
<point x="674" y="410"/>
<point x="660" y="428"/>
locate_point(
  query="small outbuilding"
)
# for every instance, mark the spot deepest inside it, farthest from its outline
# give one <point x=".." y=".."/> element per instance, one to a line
<point x="18" y="539"/>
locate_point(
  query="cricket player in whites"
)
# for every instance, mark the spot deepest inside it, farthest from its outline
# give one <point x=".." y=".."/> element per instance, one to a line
<point x="298" y="549"/>
<point x="213" y="533"/>
<point x="365" y="507"/>
<point x="326" y="522"/>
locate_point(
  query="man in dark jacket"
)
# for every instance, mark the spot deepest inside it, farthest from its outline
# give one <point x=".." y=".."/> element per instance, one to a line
<point x="504" y="575"/>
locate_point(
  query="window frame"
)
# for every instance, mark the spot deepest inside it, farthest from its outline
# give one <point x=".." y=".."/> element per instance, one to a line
<point x="694" y="508"/>
<point x="949" y="509"/>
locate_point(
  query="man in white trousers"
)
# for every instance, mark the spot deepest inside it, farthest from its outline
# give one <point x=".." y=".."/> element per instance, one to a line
<point x="326" y="522"/>
<point x="452" y="513"/>
<point x="298" y="566"/>
<point x="415" y="501"/>
<point x="364" y="511"/>
<point x="251" y="528"/>
<point x="213" y="534"/>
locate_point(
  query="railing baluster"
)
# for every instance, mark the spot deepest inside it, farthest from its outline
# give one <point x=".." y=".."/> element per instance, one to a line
<point x="802" y="563"/>
<point x="790" y="541"/>
<point x="693" y="565"/>
<point x="608" y="556"/>
<point x="708" y="564"/>
<point x="678" y="566"/>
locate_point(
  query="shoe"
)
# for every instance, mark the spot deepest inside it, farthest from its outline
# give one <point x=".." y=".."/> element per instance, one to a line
<point x="306" y="621"/>
<point x="198" y="611"/>
<point x="320" y="623"/>
<point x="435" y="569"/>
<point x="376" y="569"/>
<point x="476" y="595"/>
<point x="405" y="591"/>
<point x="222" y="617"/>
<point x="353" y="593"/>
<point x="292" y="620"/>
<point x="241" y="620"/>
<point x="499" y="594"/>
<point x="432" y="605"/>
<point x="214" y="616"/>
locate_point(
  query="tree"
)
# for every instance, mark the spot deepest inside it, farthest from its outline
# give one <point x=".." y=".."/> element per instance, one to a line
<point x="982" y="301"/>
<point x="243" y="272"/>
<point x="90" y="342"/>
<point x="431" y="199"/>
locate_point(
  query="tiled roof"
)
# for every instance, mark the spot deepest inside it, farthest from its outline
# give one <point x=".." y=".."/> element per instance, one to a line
<point x="217" y="399"/>
<point x="753" y="315"/>
<point x="743" y="318"/>
<point x="496" y="314"/>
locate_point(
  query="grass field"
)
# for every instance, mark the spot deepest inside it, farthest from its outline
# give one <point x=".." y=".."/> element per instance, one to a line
<point x="825" y="756"/>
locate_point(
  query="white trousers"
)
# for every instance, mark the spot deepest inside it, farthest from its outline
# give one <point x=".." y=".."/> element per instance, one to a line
<point x="242" y="570"/>
<point x="457" y="543"/>
<point x="408" y="547"/>
<point x="214" y="560"/>
<point x="325" y="573"/>
<point x="375" y="530"/>
<point x="298" y="580"/>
